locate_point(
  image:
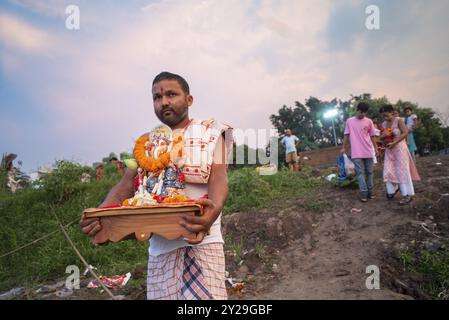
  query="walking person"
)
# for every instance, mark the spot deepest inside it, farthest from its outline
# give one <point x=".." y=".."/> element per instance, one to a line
<point x="360" y="135"/>
<point x="399" y="167"/>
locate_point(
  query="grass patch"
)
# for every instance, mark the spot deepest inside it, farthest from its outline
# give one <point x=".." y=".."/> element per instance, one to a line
<point x="250" y="190"/>
<point x="26" y="216"/>
<point x="237" y="247"/>
<point x="433" y="265"/>
<point x="260" y="250"/>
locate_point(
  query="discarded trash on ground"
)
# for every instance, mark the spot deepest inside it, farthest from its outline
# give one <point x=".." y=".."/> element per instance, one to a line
<point x="50" y="288"/>
<point x="267" y="169"/>
<point x="12" y="293"/>
<point x="331" y="176"/>
<point x="236" y="287"/>
<point x="356" y="210"/>
<point x="113" y="282"/>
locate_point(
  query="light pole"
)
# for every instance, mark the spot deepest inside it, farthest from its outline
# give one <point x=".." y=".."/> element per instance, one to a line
<point x="331" y="114"/>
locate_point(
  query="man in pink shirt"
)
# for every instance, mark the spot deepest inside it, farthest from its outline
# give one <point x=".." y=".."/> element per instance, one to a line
<point x="360" y="134"/>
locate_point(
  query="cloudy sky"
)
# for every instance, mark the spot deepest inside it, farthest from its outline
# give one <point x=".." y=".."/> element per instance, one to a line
<point x="80" y="94"/>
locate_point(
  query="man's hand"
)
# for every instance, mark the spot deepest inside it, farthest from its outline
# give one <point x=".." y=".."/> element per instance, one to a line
<point x="390" y="145"/>
<point x="90" y="226"/>
<point x="343" y="151"/>
<point x="200" y="224"/>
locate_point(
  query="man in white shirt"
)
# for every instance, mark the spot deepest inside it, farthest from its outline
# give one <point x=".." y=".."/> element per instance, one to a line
<point x="290" y="142"/>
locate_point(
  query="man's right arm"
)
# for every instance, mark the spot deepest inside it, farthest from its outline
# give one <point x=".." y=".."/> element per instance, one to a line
<point x="121" y="191"/>
<point x="282" y="143"/>
<point x="345" y="148"/>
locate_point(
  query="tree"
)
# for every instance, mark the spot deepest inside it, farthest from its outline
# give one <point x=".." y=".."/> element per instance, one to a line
<point x="308" y="123"/>
<point x="125" y="155"/>
<point x="108" y="158"/>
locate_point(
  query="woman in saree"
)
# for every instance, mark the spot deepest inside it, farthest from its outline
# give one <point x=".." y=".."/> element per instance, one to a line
<point x="399" y="167"/>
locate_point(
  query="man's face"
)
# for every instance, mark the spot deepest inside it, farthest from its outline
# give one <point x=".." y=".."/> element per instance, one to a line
<point x="408" y="112"/>
<point x="170" y="102"/>
<point x="288" y="132"/>
<point x="360" y="114"/>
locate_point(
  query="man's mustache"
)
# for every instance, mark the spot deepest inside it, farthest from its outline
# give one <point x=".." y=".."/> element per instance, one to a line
<point x="167" y="109"/>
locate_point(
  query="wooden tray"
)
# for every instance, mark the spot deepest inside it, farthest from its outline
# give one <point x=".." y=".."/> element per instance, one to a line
<point x="143" y="222"/>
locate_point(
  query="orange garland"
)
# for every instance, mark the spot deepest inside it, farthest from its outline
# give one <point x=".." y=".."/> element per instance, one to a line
<point x="149" y="163"/>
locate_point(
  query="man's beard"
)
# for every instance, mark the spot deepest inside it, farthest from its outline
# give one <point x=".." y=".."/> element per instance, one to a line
<point x="174" y="118"/>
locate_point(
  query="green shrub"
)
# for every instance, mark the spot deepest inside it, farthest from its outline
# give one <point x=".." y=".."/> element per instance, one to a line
<point x="248" y="189"/>
<point x="64" y="182"/>
<point x="3" y="181"/>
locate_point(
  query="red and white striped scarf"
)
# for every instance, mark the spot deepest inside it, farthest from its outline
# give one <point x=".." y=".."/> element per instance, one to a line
<point x="200" y="139"/>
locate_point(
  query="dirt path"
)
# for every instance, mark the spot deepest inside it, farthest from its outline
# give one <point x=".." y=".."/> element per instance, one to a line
<point x="324" y="255"/>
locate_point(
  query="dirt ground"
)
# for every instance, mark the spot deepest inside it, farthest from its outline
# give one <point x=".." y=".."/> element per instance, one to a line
<point x="323" y="253"/>
<point x="319" y="247"/>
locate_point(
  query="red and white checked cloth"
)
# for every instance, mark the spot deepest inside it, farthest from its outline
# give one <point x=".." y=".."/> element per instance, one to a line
<point x="188" y="273"/>
<point x="200" y="139"/>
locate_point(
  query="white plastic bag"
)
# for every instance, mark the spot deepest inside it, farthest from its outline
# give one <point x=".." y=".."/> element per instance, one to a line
<point x="349" y="166"/>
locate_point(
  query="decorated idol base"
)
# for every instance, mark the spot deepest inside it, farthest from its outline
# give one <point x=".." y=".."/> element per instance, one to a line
<point x="159" y="200"/>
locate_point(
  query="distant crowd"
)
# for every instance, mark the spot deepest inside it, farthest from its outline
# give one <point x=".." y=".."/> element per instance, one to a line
<point x="366" y="142"/>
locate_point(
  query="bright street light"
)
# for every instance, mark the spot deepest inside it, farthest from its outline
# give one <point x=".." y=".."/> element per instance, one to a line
<point x="331" y="114"/>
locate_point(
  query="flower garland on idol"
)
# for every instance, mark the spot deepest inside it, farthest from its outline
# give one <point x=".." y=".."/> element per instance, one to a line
<point x="159" y="157"/>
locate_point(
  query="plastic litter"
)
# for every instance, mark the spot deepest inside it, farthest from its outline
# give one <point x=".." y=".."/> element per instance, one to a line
<point x="113" y="282"/>
<point x="11" y="293"/>
<point x="346" y="167"/>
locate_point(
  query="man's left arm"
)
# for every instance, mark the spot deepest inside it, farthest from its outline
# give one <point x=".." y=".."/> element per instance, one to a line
<point x="217" y="194"/>
<point x="372" y="133"/>
<point x="297" y="141"/>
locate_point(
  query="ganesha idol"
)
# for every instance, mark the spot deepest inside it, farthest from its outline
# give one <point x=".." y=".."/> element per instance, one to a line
<point x="159" y="159"/>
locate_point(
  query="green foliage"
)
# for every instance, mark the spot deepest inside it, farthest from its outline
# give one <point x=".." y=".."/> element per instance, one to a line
<point x="433" y="265"/>
<point x="3" y="181"/>
<point x="406" y="258"/>
<point x="350" y="183"/>
<point x="26" y="216"/>
<point x="429" y="133"/>
<point x="237" y="246"/>
<point x="260" y="250"/>
<point x="111" y="155"/>
<point x="245" y="156"/>
<point x="307" y="122"/>
<point x="248" y="189"/>
<point x="110" y="172"/>
<point x="64" y="182"/>
<point x="125" y="155"/>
